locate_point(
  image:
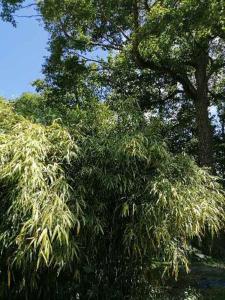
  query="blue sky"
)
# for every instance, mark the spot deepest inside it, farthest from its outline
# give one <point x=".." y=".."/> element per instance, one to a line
<point x="22" y="54"/>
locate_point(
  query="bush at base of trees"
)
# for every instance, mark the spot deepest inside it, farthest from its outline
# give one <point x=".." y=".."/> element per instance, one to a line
<point x="96" y="206"/>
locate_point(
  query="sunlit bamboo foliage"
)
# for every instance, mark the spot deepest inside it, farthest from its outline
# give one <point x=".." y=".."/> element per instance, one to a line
<point x="37" y="220"/>
<point x="143" y="204"/>
<point x="105" y="215"/>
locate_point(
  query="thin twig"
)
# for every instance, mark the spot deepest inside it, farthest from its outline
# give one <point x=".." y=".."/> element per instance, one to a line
<point x="29" y="5"/>
<point x="27" y="16"/>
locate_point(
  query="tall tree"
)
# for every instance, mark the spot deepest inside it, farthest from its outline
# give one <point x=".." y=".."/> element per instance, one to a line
<point x="180" y="39"/>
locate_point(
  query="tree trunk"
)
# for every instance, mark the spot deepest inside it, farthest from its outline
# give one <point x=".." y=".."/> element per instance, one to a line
<point x="199" y="95"/>
<point x="201" y="102"/>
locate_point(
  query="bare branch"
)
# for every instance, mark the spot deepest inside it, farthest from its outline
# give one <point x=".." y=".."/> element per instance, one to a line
<point x="28" y="5"/>
<point x="90" y="59"/>
<point x="27" y="17"/>
<point x="107" y="46"/>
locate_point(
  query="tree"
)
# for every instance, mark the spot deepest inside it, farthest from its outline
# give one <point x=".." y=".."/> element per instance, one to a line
<point x="180" y="39"/>
<point x="8" y="8"/>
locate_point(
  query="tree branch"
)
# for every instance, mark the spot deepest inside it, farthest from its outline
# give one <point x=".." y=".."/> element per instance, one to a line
<point x="28" y="5"/>
<point x="165" y="69"/>
<point x="90" y="59"/>
<point x="27" y="17"/>
<point x="146" y="5"/>
<point x="136" y="14"/>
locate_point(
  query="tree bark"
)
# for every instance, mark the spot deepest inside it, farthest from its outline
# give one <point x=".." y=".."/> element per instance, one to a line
<point x="201" y="102"/>
<point x="198" y="94"/>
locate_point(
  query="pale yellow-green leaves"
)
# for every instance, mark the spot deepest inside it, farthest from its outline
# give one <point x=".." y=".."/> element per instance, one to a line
<point x="186" y="206"/>
<point x="124" y="177"/>
<point x="178" y="202"/>
<point x="32" y="160"/>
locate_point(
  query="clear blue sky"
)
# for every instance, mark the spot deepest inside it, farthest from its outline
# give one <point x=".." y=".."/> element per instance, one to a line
<point x="22" y="54"/>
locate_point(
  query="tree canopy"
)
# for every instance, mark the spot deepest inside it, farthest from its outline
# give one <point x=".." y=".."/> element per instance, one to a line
<point x="8" y="8"/>
<point x="182" y="40"/>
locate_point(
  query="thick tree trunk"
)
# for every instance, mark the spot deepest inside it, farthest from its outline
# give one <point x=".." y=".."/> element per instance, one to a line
<point x="204" y="128"/>
<point x="199" y="94"/>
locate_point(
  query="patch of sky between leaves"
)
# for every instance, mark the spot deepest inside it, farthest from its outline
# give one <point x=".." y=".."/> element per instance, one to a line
<point x="23" y="51"/>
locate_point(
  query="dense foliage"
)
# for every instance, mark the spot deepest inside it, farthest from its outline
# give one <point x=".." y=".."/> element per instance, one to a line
<point x="106" y="203"/>
<point x="178" y="41"/>
<point x="111" y="175"/>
